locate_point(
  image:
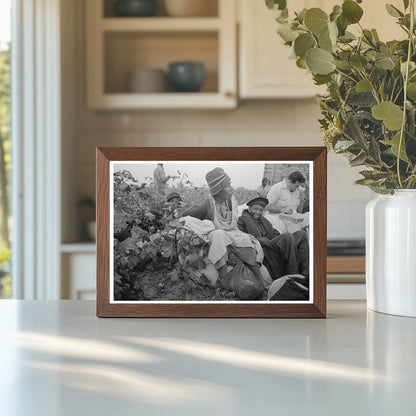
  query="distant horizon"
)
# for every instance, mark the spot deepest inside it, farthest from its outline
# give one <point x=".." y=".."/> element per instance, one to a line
<point x="246" y="175"/>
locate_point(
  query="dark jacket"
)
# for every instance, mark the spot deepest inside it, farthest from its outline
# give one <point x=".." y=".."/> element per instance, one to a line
<point x="248" y="224"/>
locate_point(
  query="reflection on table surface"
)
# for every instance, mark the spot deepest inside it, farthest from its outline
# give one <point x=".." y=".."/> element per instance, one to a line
<point x="58" y="358"/>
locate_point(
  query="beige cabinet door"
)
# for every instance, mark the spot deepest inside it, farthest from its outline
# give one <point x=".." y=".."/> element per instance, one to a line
<point x="265" y="70"/>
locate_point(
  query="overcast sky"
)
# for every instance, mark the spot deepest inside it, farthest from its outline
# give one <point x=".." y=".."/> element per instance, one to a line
<point x="248" y="175"/>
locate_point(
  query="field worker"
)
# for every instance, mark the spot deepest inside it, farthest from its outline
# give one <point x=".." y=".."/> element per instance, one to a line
<point x="281" y="253"/>
<point x="173" y="198"/>
<point x="264" y="188"/>
<point x="221" y="208"/>
<point x="174" y="201"/>
<point x="160" y="179"/>
<point x="285" y="196"/>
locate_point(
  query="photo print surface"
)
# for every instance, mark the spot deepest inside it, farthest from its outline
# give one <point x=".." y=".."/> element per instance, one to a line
<point x="184" y="231"/>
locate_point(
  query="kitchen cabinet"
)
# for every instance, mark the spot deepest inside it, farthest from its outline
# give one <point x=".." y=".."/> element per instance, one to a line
<point x="265" y="69"/>
<point x="78" y="263"/>
<point x="118" y="45"/>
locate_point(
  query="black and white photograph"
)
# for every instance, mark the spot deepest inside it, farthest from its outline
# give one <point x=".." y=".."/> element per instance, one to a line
<point x="211" y="231"/>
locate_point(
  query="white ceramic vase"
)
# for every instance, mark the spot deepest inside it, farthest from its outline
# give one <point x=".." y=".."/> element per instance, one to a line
<point x="391" y="253"/>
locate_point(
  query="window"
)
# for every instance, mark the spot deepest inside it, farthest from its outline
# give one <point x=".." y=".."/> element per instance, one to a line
<point x="5" y="145"/>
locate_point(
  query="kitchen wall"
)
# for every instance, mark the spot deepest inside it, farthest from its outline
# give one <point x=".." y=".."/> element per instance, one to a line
<point x="253" y="123"/>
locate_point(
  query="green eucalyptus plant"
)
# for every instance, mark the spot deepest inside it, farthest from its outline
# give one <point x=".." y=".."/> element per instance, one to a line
<point x="369" y="112"/>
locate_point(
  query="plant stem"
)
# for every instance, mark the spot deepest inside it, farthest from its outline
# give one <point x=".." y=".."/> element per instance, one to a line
<point x="373" y="88"/>
<point x="405" y="81"/>
<point x="346" y="75"/>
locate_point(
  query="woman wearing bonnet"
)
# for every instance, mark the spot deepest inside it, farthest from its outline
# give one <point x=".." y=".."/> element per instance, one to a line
<point x="221" y="208"/>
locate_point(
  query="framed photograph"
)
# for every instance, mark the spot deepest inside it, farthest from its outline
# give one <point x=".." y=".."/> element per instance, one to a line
<point x="211" y="232"/>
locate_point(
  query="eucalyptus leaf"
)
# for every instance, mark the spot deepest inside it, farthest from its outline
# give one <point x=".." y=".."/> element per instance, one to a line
<point x="411" y="90"/>
<point x="347" y="37"/>
<point x="394" y="143"/>
<point x="374" y="174"/>
<point x="301" y="63"/>
<point x="303" y="43"/>
<point x="374" y="150"/>
<point x="406" y="4"/>
<point x="363" y="86"/>
<point x="365" y="182"/>
<point x="319" y="61"/>
<point x="382" y="89"/>
<point x="354" y="132"/>
<point x="301" y="15"/>
<point x="281" y="19"/>
<point x="388" y="112"/>
<point x="343" y="145"/>
<point x="321" y="79"/>
<point x="276" y="4"/>
<point x="342" y="25"/>
<point x="368" y="36"/>
<point x="384" y="62"/>
<point x="393" y="11"/>
<point x="375" y="35"/>
<point x="351" y="11"/>
<point x="358" y="160"/>
<point x="333" y="32"/>
<point x="325" y="42"/>
<point x="287" y="33"/>
<point x="412" y="67"/>
<point x="358" y="61"/>
<point x="316" y="20"/>
<point x="336" y="12"/>
<point x="345" y="65"/>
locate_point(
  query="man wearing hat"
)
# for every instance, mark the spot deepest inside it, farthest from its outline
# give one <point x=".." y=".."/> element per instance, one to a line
<point x="221" y="208"/>
<point x="174" y="202"/>
<point x="281" y="254"/>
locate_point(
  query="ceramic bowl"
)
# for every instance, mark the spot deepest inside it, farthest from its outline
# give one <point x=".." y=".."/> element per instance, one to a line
<point x="186" y="76"/>
<point x="135" y="8"/>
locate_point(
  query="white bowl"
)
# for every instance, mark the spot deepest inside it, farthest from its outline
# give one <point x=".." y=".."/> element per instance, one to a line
<point x="191" y="8"/>
<point x="147" y="80"/>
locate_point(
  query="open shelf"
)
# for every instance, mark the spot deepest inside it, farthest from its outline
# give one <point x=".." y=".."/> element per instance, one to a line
<point x="116" y="46"/>
<point x="160" y="24"/>
<point x="211" y="9"/>
<point x="126" y="51"/>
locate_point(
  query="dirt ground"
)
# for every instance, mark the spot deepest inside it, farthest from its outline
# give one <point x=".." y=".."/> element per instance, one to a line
<point x="157" y="285"/>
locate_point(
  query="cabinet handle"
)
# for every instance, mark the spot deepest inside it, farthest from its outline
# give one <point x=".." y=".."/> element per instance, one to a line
<point x="229" y="94"/>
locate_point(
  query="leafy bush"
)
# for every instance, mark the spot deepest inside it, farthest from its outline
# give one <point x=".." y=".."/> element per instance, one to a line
<point x="154" y="257"/>
<point x="369" y="113"/>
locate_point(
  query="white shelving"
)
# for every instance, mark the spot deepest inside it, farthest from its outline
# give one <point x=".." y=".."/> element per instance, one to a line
<point x="116" y="45"/>
<point x="160" y="24"/>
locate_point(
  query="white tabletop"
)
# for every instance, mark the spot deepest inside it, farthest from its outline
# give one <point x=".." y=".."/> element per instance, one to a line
<point x="57" y="358"/>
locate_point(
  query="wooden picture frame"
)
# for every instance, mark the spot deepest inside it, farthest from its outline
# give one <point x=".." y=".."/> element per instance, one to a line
<point x="315" y="307"/>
